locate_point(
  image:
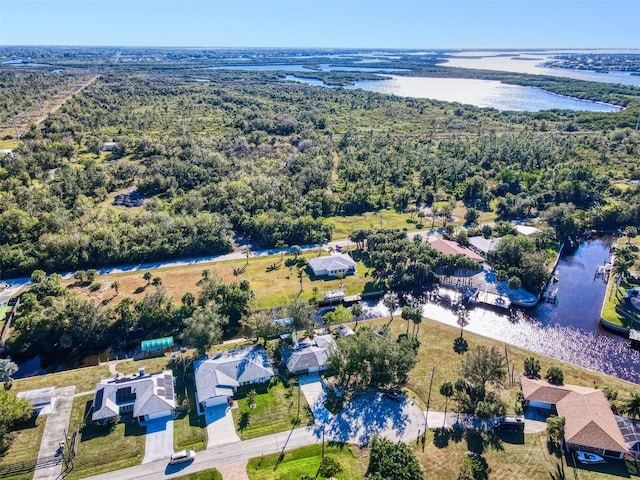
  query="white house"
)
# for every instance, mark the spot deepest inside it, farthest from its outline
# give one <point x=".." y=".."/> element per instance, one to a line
<point x="109" y="146"/>
<point x="146" y="396"/>
<point x="218" y="379"/>
<point x="332" y="265"/>
<point x="484" y="245"/>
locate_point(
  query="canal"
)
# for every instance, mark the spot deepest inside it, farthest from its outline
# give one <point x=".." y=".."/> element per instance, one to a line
<point x="568" y="330"/>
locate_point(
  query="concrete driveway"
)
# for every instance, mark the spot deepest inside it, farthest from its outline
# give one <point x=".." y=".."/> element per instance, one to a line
<point x="159" y="439"/>
<point x="220" y="427"/>
<point x="313" y="390"/>
<point x="372" y="414"/>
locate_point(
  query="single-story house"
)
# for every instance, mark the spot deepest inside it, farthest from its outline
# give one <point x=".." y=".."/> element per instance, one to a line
<point x="109" y="146"/>
<point x="449" y="247"/>
<point x="483" y="245"/>
<point x="306" y="358"/>
<point x="345" y="331"/>
<point x="42" y="400"/>
<point x="590" y="425"/>
<point x="146" y="396"/>
<point x="217" y="379"/>
<point x="332" y="265"/>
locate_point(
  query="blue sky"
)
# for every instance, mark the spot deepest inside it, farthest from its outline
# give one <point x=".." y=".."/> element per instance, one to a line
<point x="325" y="24"/>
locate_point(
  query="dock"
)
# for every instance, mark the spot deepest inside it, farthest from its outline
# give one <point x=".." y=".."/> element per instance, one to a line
<point x="550" y="296"/>
<point x="493" y="299"/>
<point x="634" y="338"/>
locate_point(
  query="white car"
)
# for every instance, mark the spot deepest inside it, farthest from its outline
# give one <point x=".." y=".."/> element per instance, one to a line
<point x="182" y="456"/>
<point x="586" y="457"/>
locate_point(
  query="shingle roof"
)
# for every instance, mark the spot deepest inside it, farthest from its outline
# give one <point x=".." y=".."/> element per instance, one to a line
<point x="152" y="393"/>
<point x="589" y="420"/>
<point x="339" y="261"/>
<point x="453" y="248"/>
<point x="234" y="368"/>
<point x="485" y="245"/>
<point x="307" y="358"/>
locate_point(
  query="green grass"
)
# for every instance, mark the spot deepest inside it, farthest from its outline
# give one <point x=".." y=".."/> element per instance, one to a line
<point x="307" y="460"/>
<point x="275" y="410"/>
<point x="189" y="428"/>
<point x="102" y="450"/>
<point x="24" y="447"/>
<point x="613" y="296"/>
<point x="511" y="456"/>
<point x="84" y="379"/>
<point x="210" y="474"/>
<point x="345" y="225"/>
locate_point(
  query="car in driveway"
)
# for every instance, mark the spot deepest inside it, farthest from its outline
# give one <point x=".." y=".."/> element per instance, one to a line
<point x="182" y="457"/>
<point x="393" y="395"/>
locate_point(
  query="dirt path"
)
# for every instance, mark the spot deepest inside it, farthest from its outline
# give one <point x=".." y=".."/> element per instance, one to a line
<point x="235" y="471"/>
<point x="38" y="115"/>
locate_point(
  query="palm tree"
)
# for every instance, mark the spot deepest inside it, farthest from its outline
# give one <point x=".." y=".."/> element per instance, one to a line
<point x="116" y="286"/>
<point x="463" y="319"/>
<point x="631" y="406"/>
<point x="417" y="320"/>
<point x="188" y="299"/>
<point x="247" y="251"/>
<point x="555" y="428"/>
<point x="391" y="302"/>
<point x="156" y="282"/>
<point x="446" y="390"/>
<point x="147" y="277"/>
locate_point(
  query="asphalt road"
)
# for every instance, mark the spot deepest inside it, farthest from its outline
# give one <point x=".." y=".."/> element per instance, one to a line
<point x="218" y="456"/>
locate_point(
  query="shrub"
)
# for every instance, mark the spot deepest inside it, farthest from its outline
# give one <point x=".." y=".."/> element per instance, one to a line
<point x="329" y="467"/>
<point x="554" y="376"/>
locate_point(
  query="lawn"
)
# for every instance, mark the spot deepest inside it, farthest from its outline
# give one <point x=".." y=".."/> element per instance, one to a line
<point x="614" y="295"/>
<point x="346" y="225"/>
<point x="210" y="474"/>
<point x="103" y="450"/>
<point x="24" y="448"/>
<point x="271" y="280"/>
<point x="84" y="379"/>
<point x="510" y="456"/>
<point x="189" y="428"/>
<point x="307" y="460"/>
<point x="276" y="410"/>
<point x="436" y="349"/>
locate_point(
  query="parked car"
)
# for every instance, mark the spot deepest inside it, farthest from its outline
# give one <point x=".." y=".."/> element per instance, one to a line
<point x="395" y="396"/>
<point x="182" y="456"/>
<point x="587" y="457"/>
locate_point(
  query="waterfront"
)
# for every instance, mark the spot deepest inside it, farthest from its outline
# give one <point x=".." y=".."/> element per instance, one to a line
<point x="568" y="330"/>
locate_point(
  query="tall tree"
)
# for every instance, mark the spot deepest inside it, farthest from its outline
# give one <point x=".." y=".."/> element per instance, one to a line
<point x="393" y="461"/>
<point x="631" y="405"/>
<point x="446" y="390"/>
<point x="7" y="369"/>
<point x="482" y="365"/>
<point x="462" y="318"/>
<point x="204" y="328"/>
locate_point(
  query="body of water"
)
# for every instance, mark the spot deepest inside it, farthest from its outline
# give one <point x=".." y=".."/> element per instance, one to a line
<point x="481" y="93"/>
<point x="286" y="67"/>
<point x="569" y="330"/>
<point x="531" y="63"/>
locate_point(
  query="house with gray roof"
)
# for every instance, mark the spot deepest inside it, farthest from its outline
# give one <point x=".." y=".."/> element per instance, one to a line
<point x="484" y="245"/>
<point x="145" y="396"/>
<point x="332" y="265"/>
<point x="306" y="358"/>
<point x="217" y="379"/>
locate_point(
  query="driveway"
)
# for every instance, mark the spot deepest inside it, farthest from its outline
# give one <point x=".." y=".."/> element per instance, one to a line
<point x="54" y="429"/>
<point x="159" y="439"/>
<point x="313" y="390"/>
<point x="372" y="414"/>
<point x="220" y="427"/>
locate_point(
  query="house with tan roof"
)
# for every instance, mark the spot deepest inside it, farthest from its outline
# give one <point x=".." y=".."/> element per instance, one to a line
<point x="590" y="425"/>
<point x="447" y="247"/>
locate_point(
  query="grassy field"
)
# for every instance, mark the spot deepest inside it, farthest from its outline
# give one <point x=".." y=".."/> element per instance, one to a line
<point x="189" y="428"/>
<point x="272" y="287"/>
<point x="276" y="409"/>
<point x="84" y="379"/>
<point x="307" y="460"/>
<point x="436" y="349"/>
<point x="103" y="450"/>
<point x="24" y="448"/>
<point x="511" y="456"/>
<point x="345" y="225"/>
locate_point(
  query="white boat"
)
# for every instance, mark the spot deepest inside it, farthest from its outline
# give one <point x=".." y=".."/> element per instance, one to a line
<point x="587" y="457"/>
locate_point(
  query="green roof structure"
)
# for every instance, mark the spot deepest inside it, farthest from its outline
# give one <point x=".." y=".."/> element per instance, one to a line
<point x="156" y="344"/>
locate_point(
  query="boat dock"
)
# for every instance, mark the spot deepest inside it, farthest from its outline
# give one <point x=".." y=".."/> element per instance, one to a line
<point x="634" y="338"/>
<point x="550" y="296"/>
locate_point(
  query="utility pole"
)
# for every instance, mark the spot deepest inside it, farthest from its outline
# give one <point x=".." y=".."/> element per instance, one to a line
<point x="426" y="415"/>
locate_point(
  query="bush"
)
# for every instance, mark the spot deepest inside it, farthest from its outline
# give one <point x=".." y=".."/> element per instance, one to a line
<point x="514" y="283"/>
<point x="329" y="467"/>
<point x="532" y="367"/>
<point x="554" y="376"/>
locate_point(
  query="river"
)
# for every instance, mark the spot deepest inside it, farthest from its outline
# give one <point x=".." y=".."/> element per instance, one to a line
<point x="569" y="330"/>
